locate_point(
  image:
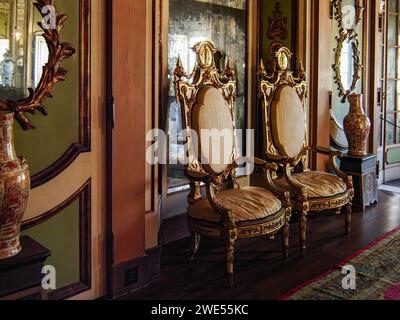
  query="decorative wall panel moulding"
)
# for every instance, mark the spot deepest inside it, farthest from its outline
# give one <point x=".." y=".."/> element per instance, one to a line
<point x="84" y="143"/>
<point x="85" y="256"/>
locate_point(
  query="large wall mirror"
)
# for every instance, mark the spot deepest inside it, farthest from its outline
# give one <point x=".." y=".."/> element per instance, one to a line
<point x="30" y="55"/>
<point x="348" y="31"/>
<point x="190" y="21"/>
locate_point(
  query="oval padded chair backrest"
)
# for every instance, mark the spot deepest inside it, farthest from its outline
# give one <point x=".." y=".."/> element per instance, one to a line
<point x="213" y="123"/>
<point x="288" y="122"/>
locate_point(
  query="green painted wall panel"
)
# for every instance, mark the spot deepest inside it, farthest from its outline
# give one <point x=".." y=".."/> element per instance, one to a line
<point x="56" y="132"/>
<point x="60" y="235"/>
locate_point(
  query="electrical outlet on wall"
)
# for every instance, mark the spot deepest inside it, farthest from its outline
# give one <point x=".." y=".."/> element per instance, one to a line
<point x="131" y="276"/>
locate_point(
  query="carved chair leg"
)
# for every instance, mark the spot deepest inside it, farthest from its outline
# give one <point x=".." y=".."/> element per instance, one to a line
<point x="230" y="260"/>
<point x="194" y="246"/>
<point x="285" y="240"/>
<point x="349" y="211"/>
<point x="303" y="230"/>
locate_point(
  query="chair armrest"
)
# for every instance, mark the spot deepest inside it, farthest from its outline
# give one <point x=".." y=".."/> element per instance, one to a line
<point x="333" y="156"/>
<point x="269" y="168"/>
<point x="197" y="176"/>
<point x="227" y="216"/>
<point x="300" y="190"/>
<point x="259" y="163"/>
<point x="328" y="151"/>
<point x="276" y="158"/>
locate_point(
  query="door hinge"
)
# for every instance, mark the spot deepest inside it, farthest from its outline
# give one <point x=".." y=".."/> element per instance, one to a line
<point x="111" y="112"/>
<point x="112" y="248"/>
<point x="331" y="10"/>
<point x="379" y="98"/>
<point x="380" y="22"/>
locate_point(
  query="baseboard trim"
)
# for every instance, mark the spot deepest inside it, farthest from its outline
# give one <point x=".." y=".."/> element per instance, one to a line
<point x="174" y="229"/>
<point x="137" y="273"/>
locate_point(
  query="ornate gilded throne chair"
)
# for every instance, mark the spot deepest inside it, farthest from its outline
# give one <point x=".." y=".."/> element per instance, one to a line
<point x="207" y="98"/>
<point x="283" y="98"/>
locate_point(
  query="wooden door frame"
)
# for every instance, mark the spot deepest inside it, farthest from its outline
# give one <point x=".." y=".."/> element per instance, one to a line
<point x="374" y="79"/>
<point x="144" y="258"/>
<point x="109" y="110"/>
<point x="319" y="84"/>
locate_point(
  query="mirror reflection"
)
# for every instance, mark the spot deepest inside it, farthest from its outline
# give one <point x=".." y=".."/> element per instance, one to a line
<point x="224" y="23"/>
<point x="347" y="64"/>
<point x="23" y="49"/>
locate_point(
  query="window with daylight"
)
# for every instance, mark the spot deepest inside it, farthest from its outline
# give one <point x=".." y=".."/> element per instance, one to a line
<point x="388" y="109"/>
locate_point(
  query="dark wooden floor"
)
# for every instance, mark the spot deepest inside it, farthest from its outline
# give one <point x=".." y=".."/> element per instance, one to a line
<point x="261" y="273"/>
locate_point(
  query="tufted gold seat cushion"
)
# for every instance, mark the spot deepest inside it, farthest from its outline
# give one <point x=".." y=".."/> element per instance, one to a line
<point x="247" y="204"/>
<point x="318" y="184"/>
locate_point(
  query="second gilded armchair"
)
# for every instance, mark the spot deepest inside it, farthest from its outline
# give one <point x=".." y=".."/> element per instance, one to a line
<point x="283" y="102"/>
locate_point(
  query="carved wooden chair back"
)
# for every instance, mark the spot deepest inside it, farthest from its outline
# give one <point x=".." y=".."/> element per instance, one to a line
<point x="207" y="98"/>
<point x="283" y="105"/>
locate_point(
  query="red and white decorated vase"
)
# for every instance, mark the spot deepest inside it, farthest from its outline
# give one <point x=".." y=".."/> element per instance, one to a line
<point x="357" y="127"/>
<point x="14" y="189"/>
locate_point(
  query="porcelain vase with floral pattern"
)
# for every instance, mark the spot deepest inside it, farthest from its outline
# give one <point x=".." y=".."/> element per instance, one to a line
<point x="357" y="127"/>
<point x="14" y="190"/>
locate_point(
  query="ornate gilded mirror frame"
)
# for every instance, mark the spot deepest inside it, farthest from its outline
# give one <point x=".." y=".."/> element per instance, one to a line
<point x="52" y="72"/>
<point x="351" y="36"/>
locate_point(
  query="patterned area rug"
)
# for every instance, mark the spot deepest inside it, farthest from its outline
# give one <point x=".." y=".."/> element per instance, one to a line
<point x="377" y="270"/>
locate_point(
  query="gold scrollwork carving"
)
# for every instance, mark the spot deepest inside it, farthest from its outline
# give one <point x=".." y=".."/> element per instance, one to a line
<point x="321" y="205"/>
<point x="52" y="71"/>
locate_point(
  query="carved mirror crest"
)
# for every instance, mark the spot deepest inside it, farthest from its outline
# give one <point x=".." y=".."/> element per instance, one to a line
<point x="31" y="52"/>
<point x="348" y="65"/>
